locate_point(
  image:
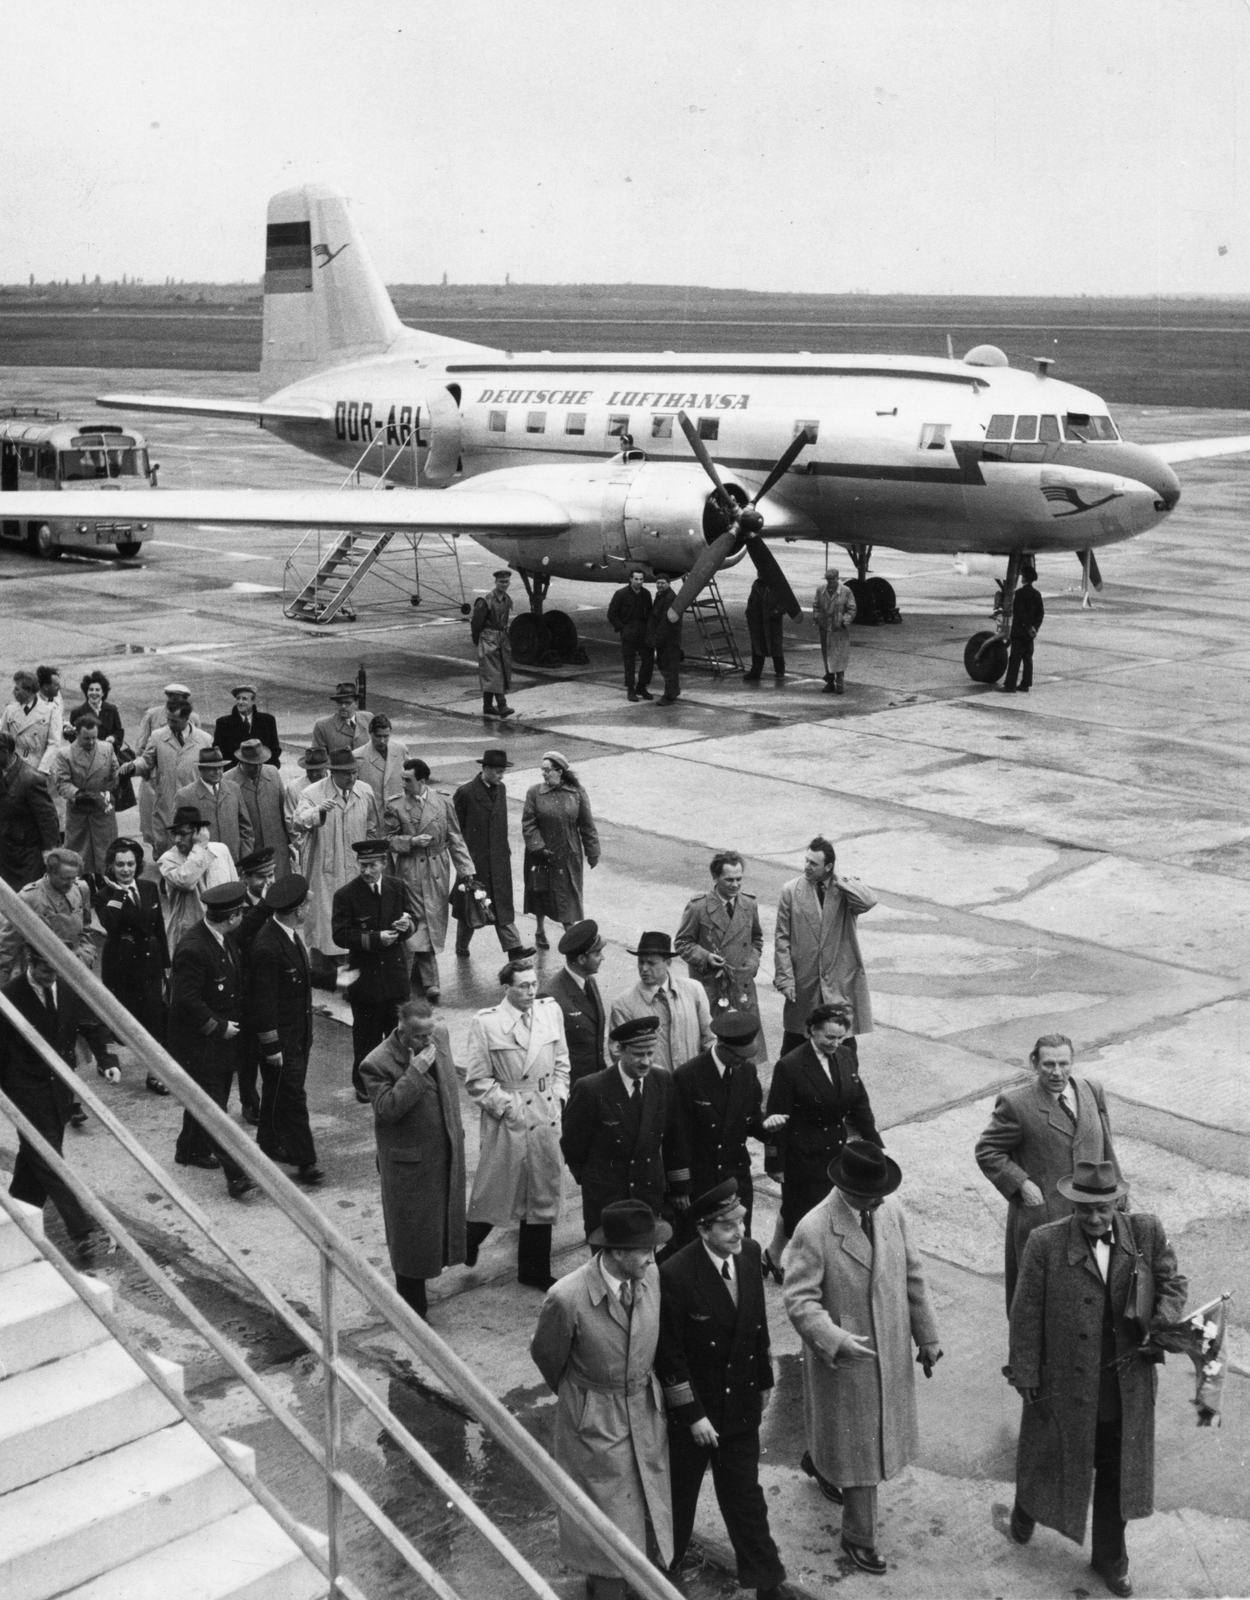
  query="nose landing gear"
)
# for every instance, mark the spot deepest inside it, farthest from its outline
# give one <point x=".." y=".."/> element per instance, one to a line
<point x="986" y="654"/>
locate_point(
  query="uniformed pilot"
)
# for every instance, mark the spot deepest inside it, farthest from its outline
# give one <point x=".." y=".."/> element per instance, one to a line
<point x="720" y="1105"/>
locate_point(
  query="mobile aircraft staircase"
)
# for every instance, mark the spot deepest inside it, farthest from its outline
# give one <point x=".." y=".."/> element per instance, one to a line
<point x="720" y="653"/>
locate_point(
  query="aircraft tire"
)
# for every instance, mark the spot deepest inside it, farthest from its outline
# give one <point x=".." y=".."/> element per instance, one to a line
<point x="561" y="634"/>
<point x="865" y="610"/>
<point x="128" y="549"/>
<point x="43" y="542"/>
<point x="525" y="639"/>
<point x="881" y="598"/>
<point x="989" y="665"/>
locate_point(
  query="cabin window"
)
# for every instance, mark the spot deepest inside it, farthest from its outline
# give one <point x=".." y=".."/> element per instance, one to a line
<point x="536" y="422"/>
<point x="933" y="435"/>
<point x="26" y="458"/>
<point x="618" y="426"/>
<point x="1080" y="425"/>
<point x="1000" y="427"/>
<point x="1048" y="432"/>
<point x="1026" y="428"/>
<point x="497" y="422"/>
<point x="47" y="461"/>
<point x="661" y="427"/>
<point x="709" y="427"/>
<point x="812" y="426"/>
<point x="575" y="422"/>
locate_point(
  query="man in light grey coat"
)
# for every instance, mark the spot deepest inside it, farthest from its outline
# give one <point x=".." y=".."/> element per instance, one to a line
<point x="679" y="1004"/>
<point x="218" y="804"/>
<point x="816" y="956"/>
<point x="721" y="942"/>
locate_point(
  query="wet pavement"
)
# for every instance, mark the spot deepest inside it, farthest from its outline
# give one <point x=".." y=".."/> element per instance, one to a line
<point x="1076" y="860"/>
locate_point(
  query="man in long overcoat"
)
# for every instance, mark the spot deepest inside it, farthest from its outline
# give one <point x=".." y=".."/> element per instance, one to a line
<point x="169" y="761"/>
<point x="720" y="1105"/>
<point x="263" y="797"/>
<point x="765" y="614"/>
<point x="678" y="1004"/>
<point x="1089" y="1395"/>
<point x="426" y="842"/>
<point x="84" y="775"/>
<point x="833" y="611"/>
<point x="381" y="759"/>
<point x="595" y="1345"/>
<point x="411" y="1079"/>
<point x="333" y="815"/>
<point x="1036" y="1135"/>
<point x="816" y="956"/>
<point x="278" y="1010"/>
<point x="28" y="819"/>
<point x="489" y="628"/>
<point x="347" y="727"/>
<point x="855" y="1291"/>
<point x="371" y="920"/>
<point x="576" y="992"/>
<point x="721" y="942"/>
<point x="518" y="1074"/>
<point x="219" y="805"/>
<point x="244" y="723"/>
<point x="481" y="807"/>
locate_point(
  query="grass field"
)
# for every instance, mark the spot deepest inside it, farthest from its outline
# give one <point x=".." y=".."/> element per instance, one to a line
<point x="1140" y="352"/>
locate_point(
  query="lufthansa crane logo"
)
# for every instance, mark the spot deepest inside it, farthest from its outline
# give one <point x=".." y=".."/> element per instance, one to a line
<point x="1064" y="495"/>
<point x="324" y="250"/>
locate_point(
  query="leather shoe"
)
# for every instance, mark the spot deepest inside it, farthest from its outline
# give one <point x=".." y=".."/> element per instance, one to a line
<point x="645" y="694"/>
<point x="208" y="1161"/>
<point x="535" y="1283"/>
<point x="779" y="1591"/>
<point x="471" y="1248"/>
<point x="77" y="1116"/>
<point x="1120" y="1586"/>
<point x="309" y="1175"/>
<point x="237" y="1188"/>
<point x="1022" y="1524"/>
<point x="251" y="1114"/>
<point x="771" y="1268"/>
<point x="829" y="1490"/>
<point x="633" y="699"/>
<point x="864" y="1557"/>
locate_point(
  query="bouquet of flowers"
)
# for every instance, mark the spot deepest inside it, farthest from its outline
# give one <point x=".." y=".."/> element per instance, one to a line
<point x="1200" y="1337"/>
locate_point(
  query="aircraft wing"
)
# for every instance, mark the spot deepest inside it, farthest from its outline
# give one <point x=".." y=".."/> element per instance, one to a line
<point x="248" y="410"/>
<point x="514" y="512"/>
<point x="1200" y="449"/>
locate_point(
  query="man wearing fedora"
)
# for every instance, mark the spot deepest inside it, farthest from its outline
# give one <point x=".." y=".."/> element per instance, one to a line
<point x="245" y="722"/>
<point x="715" y="1364"/>
<point x="1036" y="1135"/>
<point x="169" y="761"/>
<point x="152" y="720"/>
<point x="183" y="870"/>
<point x="314" y="766"/>
<point x="855" y="1291"/>
<point x="576" y="992"/>
<point x="1089" y="1286"/>
<point x="370" y="920"/>
<point x="333" y="815"/>
<point x="263" y="799"/>
<point x="720" y="1105"/>
<point x="678" y="1004"/>
<point x="488" y="627"/>
<point x="348" y="727"/>
<point x="595" y="1345"/>
<point x="279" y="1016"/>
<point x="622" y="1138"/>
<point x="218" y="804"/>
<point x="481" y="808"/>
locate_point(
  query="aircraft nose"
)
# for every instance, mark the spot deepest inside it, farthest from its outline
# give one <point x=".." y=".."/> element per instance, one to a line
<point x="1165" y="483"/>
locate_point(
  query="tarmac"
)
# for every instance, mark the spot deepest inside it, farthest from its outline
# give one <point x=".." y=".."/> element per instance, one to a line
<point x="1077" y="859"/>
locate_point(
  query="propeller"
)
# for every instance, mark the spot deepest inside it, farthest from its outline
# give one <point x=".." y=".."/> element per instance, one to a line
<point x="1089" y="563"/>
<point x="744" y="525"/>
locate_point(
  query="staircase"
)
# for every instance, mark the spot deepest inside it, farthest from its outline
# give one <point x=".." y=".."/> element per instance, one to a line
<point x="105" y="1492"/>
<point x="720" y="652"/>
<point x="324" y="596"/>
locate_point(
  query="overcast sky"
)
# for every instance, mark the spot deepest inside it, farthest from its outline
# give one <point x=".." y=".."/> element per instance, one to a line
<point x="951" y="146"/>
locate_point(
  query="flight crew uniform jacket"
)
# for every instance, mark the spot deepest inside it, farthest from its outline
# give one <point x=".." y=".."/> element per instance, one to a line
<point x="582" y="1005"/>
<point x="205" y="996"/>
<point x="361" y="912"/>
<point x="714" y="1359"/>
<point x="623" y="1149"/>
<point x="279" y="994"/>
<point x="717" y="1116"/>
<point x="1028" y="611"/>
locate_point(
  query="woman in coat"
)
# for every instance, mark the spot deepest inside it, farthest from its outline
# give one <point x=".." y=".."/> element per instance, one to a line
<point x="559" y="834"/>
<point x="135" y="959"/>
<point x="833" y="611"/>
<point x="426" y="841"/>
<point x="95" y="698"/>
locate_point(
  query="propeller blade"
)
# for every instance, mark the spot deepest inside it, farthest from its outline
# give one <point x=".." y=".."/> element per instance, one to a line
<point x="769" y="569"/>
<point x="793" y="450"/>
<point x="709" y="562"/>
<point x="727" y="502"/>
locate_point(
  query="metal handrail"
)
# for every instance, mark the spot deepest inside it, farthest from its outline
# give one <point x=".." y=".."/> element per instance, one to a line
<point x="340" y="1256"/>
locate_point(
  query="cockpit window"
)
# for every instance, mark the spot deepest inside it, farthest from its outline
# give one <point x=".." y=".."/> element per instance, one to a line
<point x="1086" y="426"/>
<point x="1026" y="428"/>
<point x="1000" y="427"/>
<point x="1048" y="433"/>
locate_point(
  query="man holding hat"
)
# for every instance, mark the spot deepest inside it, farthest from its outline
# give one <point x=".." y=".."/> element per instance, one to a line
<point x="575" y="991"/>
<point x="488" y="626"/>
<point x="334" y="815"/>
<point x="1077" y="1321"/>
<point x="679" y="1006"/>
<point x="184" y="870"/>
<point x="622" y="1138"/>
<point x="314" y="766"/>
<point x="227" y="821"/>
<point x="245" y="722"/>
<point x="595" y="1345"/>
<point x="481" y="807"/>
<point x="720" y="1105"/>
<point x="715" y="1364"/>
<point x="205" y="1019"/>
<point x="855" y="1291"/>
<point x="426" y="842"/>
<point x="263" y="800"/>
<point x="170" y="760"/>
<point x="152" y="719"/>
<point x="370" y="919"/>
<point x="279" y="1015"/>
<point x="348" y="727"/>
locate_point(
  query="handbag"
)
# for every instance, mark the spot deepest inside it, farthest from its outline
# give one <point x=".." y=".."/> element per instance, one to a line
<point x="471" y="904"/>
<point x="124" y="792"/>
<point x="1139" y="1304"/>
<point x="540" y="877"/>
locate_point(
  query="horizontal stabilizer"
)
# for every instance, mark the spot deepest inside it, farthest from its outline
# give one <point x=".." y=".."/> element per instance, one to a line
<point x="513" y="512"/>
<point x="1200" y="449"/>
<point x="248" y="410"/>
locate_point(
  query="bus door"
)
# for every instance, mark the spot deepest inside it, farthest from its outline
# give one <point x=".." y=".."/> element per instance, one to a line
<point x="8" y="482"/>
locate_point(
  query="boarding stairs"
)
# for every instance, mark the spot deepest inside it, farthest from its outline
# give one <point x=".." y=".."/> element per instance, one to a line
<point x="718" y="649"/>
<point x="106" y="1493"/>
<point x="338" y="574"/>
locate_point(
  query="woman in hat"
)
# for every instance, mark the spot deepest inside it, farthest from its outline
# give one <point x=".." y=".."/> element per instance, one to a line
<point x="559" y="833"/>
<point x="425" y="838"/>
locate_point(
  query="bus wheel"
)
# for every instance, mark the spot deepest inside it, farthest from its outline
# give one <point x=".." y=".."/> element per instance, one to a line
<point x="129" y="548"/>
<point x="43" y="542"/>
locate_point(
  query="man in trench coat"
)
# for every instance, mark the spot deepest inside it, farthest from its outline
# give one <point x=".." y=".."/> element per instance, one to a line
<point x="481" y="807"/>
<point x="1089" y="1396"/>
<point x="518" y="1073"/>
<point x="679" y="1005"/>
<point x="721" y="942"/>
<point x="333" y="815"/>
<point x="855" y="1291"/>
<point x="1036" y="1135"/>
<point x="595" y="1345"/>
<point x="218" y="804"/>
<point x="411" y="1079"/>
<point x="816" y="957"/>
<point x="833" y="611"/>
<point x="425" y="840"/>
<point x="489" y="628"/>
<point x="263" y="799"/>
<point x="84" y="775"/>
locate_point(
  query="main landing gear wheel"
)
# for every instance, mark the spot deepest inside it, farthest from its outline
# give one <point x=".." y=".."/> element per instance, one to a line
<point x="128" y="549"/>
<point x="43" y="543"/>
<point x="561" y="634"/>
<point x="985" y="657"/>
<point x="548" y="637"/>
<point x="879" y="593"/>
<point x="526" y="639"/>
<point x="865" y="614"/>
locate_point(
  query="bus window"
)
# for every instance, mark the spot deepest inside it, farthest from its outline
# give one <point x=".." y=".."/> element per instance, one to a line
<point x="82" y="466"/>
<point x="1049" y="431"/>
<point x="26" y="458"/>
<point x="47" y="462"/>
<point x="128" y="463"/>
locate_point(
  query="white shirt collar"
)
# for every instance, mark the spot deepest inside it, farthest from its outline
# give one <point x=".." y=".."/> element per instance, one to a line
<point x="1067" y="1095"/>
<point x="218" y="931"/>
<point x="577" y="977"/>
<point x="512" y="1016"/>
<point x="1102" y="1256"/>
<point x="628" y="1081"/>
<point x="613" y="1283"/>
<point x="718" y="1263"/>
<point x="290" y="932"/>
<point x="722" y="1066"/>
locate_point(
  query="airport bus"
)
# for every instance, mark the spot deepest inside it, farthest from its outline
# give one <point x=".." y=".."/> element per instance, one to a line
<point x="39" y="450"/>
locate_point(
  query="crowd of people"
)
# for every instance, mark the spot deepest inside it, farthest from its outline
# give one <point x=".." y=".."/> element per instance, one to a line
<point x="262" y="888"/>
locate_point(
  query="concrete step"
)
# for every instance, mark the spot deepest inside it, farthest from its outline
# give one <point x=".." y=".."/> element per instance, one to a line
<point x="15" y="1248"/>
<point x="94" y="1517"/>
<point x="42" y="1319"/>
<point x="245" y="1556"/>
<point x="63" y="1412"/>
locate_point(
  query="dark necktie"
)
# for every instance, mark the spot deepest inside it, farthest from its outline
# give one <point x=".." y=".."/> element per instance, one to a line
<point x="865" y="1222"/>
<point x="633" y="1089"/>
<point x="1106" y="1238"/>
<point x="627" y="1297"/>
<point x="731" y="906"/>
<point x="727" y="1278"/>
<point x="593" y="995"/>
<point x="820" y="893"/>
<point x="1067" y="1111"/>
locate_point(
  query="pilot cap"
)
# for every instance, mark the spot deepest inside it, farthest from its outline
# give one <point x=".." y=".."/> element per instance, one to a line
<point x="634" y="1028"/>
<point x="223" y="901"/>
<point x="287" y="893"/>
<point x="257" y="861"/>
<point x="718" y="1204"/>
<point x="735" y="1027"/>
<point x="580" y="938"/>
<point x="371" y="849"/>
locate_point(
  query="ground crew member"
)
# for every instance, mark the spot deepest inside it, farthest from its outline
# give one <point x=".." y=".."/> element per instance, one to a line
<point x="489" y="628"/>
<point x="629" y="611"/>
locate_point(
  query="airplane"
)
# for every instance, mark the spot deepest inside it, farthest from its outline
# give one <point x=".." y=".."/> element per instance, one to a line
<point x="591" y="466"/>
